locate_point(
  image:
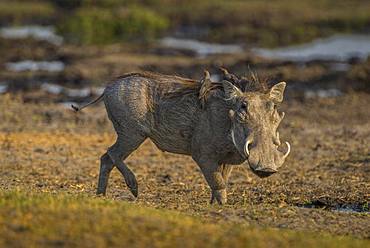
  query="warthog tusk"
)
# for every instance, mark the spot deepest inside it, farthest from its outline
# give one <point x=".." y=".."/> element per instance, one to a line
<point x="246" y="149"/>
<point x="287" y="153"/>
<point x="282" y="115"/>
<point x="233" y="138"/>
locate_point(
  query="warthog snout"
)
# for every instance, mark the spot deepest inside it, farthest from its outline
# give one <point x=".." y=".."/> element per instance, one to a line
<point x="264" y="172"/>
<point x="265" y="165"/>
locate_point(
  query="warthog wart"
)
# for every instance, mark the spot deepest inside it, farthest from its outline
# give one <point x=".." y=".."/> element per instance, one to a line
<point x="218" y="124"/>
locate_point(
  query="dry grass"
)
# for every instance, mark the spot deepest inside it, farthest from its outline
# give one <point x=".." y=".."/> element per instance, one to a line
<point x="34" y="220"/>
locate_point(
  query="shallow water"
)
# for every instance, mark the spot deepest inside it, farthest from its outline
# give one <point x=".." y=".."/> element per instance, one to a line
<point x="68" y="105"/>
<point x="199" y="47"/>
<point x="216" y="77"/>
<point x="56" y="89"/>
<point x="52" y="88"/>
<point x="345" y="208"/>
<point x="322" y="93"/>
<point x="84" y="92"/>
<point x="30" y="65"/>
<point x="3" y="88"/>
<point x="338" y="48"/>
<point x="46" y="33"/>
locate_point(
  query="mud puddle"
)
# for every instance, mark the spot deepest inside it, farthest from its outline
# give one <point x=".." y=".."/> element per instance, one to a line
<point x="323" y="93"/>
<point x="336" y="48"/>
<point x="350" y="208"/>
<point x="45" y="33"/>
<point x="30" y="65"/>
<point x="74" y="93"/>
<point x="3" y="88"/>
<point x="199" y="48"/>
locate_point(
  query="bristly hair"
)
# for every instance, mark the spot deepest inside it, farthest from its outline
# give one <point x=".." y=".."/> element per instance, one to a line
<point x="185" y="86"/>
<point x="255" y="83"/>
<point x="247" y="83"/>
<point x="163" y="78"/>
<point x="177" y="86"/>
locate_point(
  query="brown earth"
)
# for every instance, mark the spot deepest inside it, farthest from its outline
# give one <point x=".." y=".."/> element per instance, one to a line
<point x="48" y="148"/>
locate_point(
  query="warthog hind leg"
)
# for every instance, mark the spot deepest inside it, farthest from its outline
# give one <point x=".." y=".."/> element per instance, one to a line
<point x="106" y="166"/>
<point x="123" y="147"/>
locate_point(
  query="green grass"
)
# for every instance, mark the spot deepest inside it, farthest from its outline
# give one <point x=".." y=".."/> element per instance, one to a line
<point x="252" y="22"/>
<point x="91" y="25"/>
<point x="33" y="220"/>
<point x="16" y="12"/>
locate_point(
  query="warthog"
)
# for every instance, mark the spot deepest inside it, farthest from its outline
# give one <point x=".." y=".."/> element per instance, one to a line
<point x="218" y="124"/>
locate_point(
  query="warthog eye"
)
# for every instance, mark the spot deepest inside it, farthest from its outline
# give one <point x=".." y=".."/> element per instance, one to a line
<point x="244" y="106"/>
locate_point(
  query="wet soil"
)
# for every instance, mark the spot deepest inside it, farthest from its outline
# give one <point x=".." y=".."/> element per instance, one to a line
<point x="95" y="66"/>
<point x="45" y="147"/>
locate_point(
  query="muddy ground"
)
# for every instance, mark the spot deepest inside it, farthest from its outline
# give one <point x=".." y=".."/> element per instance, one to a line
<point x="96" y="65"/>
<point x="46" y="147"/>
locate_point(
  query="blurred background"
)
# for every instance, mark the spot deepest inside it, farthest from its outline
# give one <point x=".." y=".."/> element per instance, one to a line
<point x="66" y="50"/>
<point x="57" y="52"/>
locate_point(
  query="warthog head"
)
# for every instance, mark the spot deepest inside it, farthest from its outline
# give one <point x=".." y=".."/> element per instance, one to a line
<point x="255" y="120"/>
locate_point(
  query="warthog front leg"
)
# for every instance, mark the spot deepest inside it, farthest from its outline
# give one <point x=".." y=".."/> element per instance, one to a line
<point x="221" y="195"/>
<point x="226" y="171"/>
<point x="213" y="174"/>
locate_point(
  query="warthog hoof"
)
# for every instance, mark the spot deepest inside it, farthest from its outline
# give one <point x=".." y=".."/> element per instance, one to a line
<point x="100" y="192"/>
<point x="220" y="196"/>
<point x="134" y="191"/>
<point x="131" y="182"/>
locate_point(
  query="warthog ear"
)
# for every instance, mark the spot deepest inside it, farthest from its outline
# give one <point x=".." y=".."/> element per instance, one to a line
<point x="225" y="73"/>
<point x="230" y="90"/>
<point x="207" y="76"/>
<point x="277" y="92"/>
<point x="206" y="86"/>
<point x="228" y="76"/>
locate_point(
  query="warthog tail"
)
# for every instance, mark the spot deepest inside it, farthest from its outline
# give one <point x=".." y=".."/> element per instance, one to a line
<point x="78" y="108"/>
